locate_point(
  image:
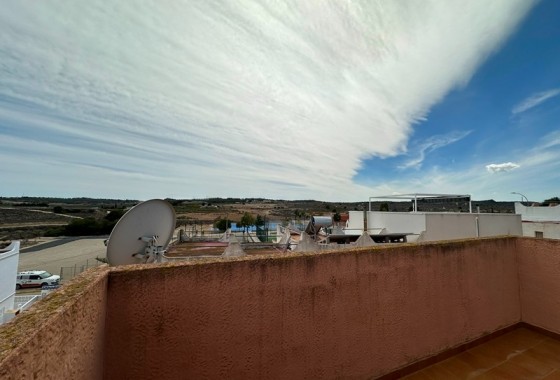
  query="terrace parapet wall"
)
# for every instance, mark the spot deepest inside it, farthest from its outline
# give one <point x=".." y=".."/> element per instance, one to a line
<point x="356" y="314"/>
<point x="61" y="336"/>
<point x="343" y="314"/>
<point x="539" y="280"/>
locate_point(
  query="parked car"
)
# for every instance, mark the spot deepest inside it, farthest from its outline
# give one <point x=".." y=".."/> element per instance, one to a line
<point x="36" y="278"/>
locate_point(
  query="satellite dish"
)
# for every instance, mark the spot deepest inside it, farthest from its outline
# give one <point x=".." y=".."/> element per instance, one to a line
<point x="142" y="234"/>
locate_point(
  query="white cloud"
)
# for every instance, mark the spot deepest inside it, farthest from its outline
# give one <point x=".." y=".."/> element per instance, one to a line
<point x="429" y="145"/>
<point x="534" y="100"/>
<point x="505" y="167"/>
<point x="228" y="99"/>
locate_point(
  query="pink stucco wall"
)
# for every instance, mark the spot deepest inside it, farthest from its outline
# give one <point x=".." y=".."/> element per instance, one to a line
<point x="539" y="275"/>
<point x="61" y="337"/>
<point x="353" y="314"/>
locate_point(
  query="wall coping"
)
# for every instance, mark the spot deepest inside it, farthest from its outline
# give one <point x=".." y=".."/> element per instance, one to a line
<point x="411" y="248"/>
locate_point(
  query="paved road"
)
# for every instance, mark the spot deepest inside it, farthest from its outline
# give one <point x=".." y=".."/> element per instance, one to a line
<point x="54" y="242"/>
<point x="68" y="254"/>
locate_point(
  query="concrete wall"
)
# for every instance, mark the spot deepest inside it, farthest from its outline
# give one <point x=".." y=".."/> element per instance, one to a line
<point x="539" y="277"/>
<point x="550" y="230"/>
<point x="61" y="337"/>
<point x="355" y="223"/>
<point x="499" y="224"/>
<point x="450" y="226"/>
<point x="395" y="222"/>
<point x="536" y="214"/>
<point x="351" y="314"/>
<point x="445" y="226"/>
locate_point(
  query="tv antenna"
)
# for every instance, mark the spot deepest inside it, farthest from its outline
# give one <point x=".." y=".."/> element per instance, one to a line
<point x="142" y="234"/>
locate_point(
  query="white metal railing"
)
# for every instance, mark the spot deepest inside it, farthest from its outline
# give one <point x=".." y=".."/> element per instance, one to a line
<point x="24" y="302"/>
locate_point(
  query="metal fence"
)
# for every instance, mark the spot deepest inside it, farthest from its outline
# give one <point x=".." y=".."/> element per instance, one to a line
<point x="67" y="273"/>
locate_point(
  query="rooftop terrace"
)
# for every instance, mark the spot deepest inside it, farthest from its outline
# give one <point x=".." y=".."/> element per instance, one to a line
<point x="366" y="313"/>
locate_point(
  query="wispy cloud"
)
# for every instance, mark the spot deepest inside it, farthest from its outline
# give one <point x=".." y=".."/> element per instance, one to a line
<point x="534" y="100"/>
<point x="423" y="148"/>
<point x="222" y="99"/>
<point x="535" y="173"/>
<point x="551" y="140"/>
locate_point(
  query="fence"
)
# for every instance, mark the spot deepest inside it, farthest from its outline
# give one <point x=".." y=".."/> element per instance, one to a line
<point x="67" y="273"/>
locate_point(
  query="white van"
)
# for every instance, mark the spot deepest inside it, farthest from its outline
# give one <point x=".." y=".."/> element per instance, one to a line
<point x="36" y="278"/>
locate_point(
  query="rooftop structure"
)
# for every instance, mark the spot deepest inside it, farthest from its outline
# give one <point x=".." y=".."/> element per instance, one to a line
<point x="379" y="311"/>
<point x="538" y="213"/>
<point x="423" y="197"/>
<point x="539" y="221"/>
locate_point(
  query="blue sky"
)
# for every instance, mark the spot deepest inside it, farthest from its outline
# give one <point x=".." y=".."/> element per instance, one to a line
<point x="330" y="100"/>
<point x="508" y="115"/>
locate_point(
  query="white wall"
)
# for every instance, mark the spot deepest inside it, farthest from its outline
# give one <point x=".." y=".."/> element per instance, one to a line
<point x="444" y="226"/>
<point x="449" y="226"/>
<point x="550" y="230"/>
<point x="500" y="224"/>
<point x="394" y="222"/>
<point x="9" y="258"/>
<point x="355" y="223"/>
<point x="538" y="214"/>
<point x="426" y="226"/>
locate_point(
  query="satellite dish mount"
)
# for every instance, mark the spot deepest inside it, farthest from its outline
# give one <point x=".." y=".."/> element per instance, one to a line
<point x="153" y="251"/>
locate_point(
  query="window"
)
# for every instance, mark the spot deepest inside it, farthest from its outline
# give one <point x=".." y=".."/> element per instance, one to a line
<point x="45" y="275"/>
<point x="34" y="277"/>
<point x="539" y="234"/>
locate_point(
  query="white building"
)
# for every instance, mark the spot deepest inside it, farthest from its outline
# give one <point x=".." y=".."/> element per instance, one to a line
<point x="432" y="226"/>
<point x="540" y="222"/>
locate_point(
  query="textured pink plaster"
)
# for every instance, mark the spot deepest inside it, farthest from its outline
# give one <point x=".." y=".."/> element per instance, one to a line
<point x="60" y="337"/>
<point x="353" y="314"/>
<point x="539" y="276"/>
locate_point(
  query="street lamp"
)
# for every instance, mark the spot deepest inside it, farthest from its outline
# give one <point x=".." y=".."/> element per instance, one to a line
<point x="522" y="196"/>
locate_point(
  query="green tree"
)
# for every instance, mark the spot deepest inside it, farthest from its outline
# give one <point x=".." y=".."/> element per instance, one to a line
<point x="247" y="220"/>
<point x="384" y="206"/>
<point x="114" y="215"/>
<point x="547" y="202"/>
<point x="336" y="217"/>
<point x="262" y="231"/>
<point x="222" y="224"/>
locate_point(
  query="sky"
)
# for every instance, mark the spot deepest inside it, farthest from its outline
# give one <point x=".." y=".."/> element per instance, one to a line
<point x="330" y="100"/>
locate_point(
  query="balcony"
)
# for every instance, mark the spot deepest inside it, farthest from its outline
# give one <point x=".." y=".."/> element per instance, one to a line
<point x="366" y="313"/>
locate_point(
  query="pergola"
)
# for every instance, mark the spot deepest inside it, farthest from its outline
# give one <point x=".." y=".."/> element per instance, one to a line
<point x="414" y="197"/>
